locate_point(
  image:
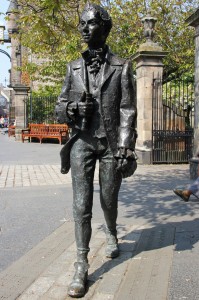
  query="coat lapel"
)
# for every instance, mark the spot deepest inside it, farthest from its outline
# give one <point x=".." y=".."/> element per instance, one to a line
<point x="109" y="67"/>
<point x="106" y="72"/>
<point x="79" y="69"/>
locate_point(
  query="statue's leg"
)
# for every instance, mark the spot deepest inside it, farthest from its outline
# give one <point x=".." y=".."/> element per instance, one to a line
<point x="110" y="181"/>
<point x="82" y="170"/>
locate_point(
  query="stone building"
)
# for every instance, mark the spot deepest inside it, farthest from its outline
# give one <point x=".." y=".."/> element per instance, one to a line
<point x="20" y="87"/>
<point x="4" y="102"/>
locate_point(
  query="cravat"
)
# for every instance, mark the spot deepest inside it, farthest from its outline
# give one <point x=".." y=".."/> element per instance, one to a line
<point x="94" y="59"/>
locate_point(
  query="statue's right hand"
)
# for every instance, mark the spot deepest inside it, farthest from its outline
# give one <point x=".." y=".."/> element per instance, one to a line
<point x="85" y="108"/>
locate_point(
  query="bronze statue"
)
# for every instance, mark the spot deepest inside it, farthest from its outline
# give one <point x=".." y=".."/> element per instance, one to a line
<point x="98" y="103"/>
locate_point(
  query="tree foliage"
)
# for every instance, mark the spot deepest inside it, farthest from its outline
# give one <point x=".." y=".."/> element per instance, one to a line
<point x="172" y="33"/>
<point x="49" y="30"/>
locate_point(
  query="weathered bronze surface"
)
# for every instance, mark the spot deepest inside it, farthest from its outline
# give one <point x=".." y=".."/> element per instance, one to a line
<point x="98" y="103"/>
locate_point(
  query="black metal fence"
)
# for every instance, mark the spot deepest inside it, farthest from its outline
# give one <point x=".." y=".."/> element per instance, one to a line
<point x="173" y="119"/>
<point x="39" y="110"/>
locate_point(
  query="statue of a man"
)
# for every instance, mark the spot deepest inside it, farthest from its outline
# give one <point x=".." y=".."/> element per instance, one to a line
<point x="98" y="103"/>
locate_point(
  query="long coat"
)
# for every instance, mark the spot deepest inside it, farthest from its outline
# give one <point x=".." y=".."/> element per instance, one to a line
<point x="117" y="101"/>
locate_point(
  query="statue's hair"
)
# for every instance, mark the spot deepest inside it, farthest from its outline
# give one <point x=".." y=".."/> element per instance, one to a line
<point x="100" y="13"/>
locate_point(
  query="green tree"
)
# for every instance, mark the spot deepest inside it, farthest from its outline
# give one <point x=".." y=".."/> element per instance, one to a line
<point x="50" y="30"/>
<point x="171" y="31"/>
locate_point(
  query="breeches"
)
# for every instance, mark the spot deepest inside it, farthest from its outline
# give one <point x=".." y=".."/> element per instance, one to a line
<point x="84" y="154"/>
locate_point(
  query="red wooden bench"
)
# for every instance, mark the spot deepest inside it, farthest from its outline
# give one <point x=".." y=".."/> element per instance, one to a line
<point x="57" y="131"/>
<point x="46" y="131"/>
<point x="11" y="130"/>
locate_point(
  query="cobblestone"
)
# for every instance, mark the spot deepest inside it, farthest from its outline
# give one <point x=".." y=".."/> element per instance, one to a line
<point x="31" y="175"/>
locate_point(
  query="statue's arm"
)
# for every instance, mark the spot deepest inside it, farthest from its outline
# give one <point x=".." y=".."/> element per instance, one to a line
<point x="126" y="155"/>
<point x="128" y="111"/>
<point x="64" y="100"/>
<point x="71" y="105"/>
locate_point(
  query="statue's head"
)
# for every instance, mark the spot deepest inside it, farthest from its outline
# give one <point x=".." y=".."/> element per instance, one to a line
<point x="95" y="25"/>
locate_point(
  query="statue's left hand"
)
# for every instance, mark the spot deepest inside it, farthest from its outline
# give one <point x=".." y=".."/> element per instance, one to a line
<point x="126" y="161"/>
<point x="121" y="157"/>
<point x="121" y="163"/>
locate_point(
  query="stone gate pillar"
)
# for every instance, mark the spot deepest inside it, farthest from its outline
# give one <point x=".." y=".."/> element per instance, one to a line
<point x="193" y="20"/>
<point x="149" y="66"/>
<point x="21" y="93"/>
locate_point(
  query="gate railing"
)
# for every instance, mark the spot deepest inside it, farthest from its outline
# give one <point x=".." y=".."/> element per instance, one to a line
<point x="39" y="110"/>
<point x="173" y="119"/>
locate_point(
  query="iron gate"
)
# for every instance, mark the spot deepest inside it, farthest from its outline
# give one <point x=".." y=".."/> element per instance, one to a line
<point x="39" y="110"/>
<point x="173" y="119"/>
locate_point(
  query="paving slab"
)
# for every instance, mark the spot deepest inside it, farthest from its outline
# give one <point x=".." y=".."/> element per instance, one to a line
<point x="141" y="271"/>
<point x="24" y="271"/>
<point x="105" y="275"/>
<point x="148" y="272"/>
<point x="158" y="233"/>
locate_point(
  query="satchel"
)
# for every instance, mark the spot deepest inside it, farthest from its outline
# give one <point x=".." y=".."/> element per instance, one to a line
<point x="65" y="154"/>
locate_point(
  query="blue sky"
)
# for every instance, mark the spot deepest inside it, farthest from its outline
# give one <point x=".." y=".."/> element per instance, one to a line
<point x="4" y="60"/>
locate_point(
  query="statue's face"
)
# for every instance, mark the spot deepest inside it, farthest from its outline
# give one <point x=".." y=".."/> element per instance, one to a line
<point x="92" y="29"/>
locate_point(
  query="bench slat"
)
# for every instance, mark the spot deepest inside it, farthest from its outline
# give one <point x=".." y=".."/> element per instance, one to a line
<point x="41" y="131"/>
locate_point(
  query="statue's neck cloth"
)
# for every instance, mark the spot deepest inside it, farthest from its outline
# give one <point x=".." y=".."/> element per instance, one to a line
<point x="94" y="58"/>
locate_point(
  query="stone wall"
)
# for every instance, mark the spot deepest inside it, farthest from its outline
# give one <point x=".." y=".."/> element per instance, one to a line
<point x="196" y="125"/>
<point x="193" y="21"/>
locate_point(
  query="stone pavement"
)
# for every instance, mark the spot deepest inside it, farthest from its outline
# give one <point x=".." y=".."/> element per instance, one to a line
<point x="31" y="175"/>
<point x="140" y="272"/>
<point x="158" y="238"/>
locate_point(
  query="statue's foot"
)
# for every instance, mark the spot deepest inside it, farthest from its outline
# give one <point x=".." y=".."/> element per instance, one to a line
<point x="112" y="249"/>
<point x="77" y="288"/>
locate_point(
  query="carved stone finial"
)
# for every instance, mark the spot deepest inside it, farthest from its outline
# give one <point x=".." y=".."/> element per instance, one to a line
<point x="149" y="32"/>
<point x="149" y="25"/>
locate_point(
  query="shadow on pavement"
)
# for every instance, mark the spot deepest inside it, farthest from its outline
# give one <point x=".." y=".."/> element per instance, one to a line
<point x="182" y="235"/>
<point x="151" y="196"/>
